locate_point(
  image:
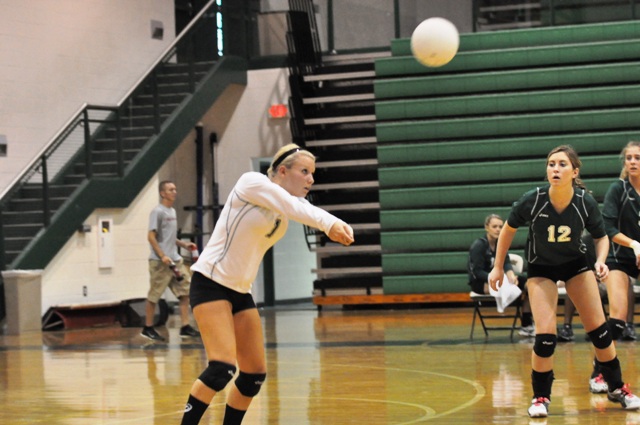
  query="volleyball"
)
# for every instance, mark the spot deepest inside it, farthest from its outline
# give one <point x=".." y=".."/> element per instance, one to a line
<point x="435" y="42"/>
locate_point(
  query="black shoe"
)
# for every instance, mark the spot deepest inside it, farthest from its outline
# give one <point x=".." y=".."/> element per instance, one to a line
<point x="150" y="332"/>
<point x="188" y="332"/>
<point x="565" y="333"/>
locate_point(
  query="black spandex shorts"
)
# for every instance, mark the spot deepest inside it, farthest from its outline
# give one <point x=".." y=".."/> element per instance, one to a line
<point x="629" y="268"/>
<point x="204" y="290"/>
<point x="562" y="272"/>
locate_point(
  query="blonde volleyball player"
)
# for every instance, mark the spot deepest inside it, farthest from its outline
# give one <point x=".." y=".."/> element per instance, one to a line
<point x="255" y="216"/>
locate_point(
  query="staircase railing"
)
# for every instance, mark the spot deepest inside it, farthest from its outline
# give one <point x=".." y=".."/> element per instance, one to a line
<point x="79" y="133"/>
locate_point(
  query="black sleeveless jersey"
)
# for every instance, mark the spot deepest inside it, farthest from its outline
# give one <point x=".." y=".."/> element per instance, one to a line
<point x="621" y="214"/>
<point x="554" y="238"/>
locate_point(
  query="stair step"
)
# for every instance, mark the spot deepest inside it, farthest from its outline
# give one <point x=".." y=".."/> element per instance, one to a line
<point x="336" y="99"/>
<point x="143" y="120"/>
<point x="134" y="143"/>
<point x="112" y="155"/>
<point x="9" y="256"/>
<point x="344" y="294"/>
<point x="341" y="249"/>
<point x="33" y="204"/>
<point x="16" y="244"/>
<point x="76" y="179"/>
<point x="183" y="68"/>
<point x="339" y="119"/>
<point x="129" y="133"/>
<point x="510" y="7"/>
<point x="354" y="57"/>
<point x="98" y="168"/>
<point x="35" y="191"/>
<point x="341" y="88"/>
<point x="352" y="207"/>
<point x="21" y="230"/>
<point x="173" y="77"/>
<point x="149" y="109"/>
<point x="340" y="76"/>
<point x="348" y="163"/>
<point x="172" y="86"/>
<point x="176" y="98"/>
<point x="342" y="271"/>
<point x="341" y="142"/>
<point x="12" y="218"/>
<point x="365" y="226"/>
<point x="346" y="185"/>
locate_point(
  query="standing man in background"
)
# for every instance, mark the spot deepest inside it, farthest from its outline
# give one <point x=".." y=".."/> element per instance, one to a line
<point x="166" y="267"/>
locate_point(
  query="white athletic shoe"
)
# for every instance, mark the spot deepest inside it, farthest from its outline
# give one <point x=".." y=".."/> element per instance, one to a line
<point x="539" y="407"/>
<point x="527" y="331"/>
<point x="598" y="385"/>
<point x="623" y="396"/>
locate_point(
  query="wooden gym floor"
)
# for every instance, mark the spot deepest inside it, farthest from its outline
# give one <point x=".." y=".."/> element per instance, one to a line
<point x="336" y="367"/>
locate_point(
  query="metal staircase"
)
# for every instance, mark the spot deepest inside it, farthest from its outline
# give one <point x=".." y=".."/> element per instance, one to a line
<point x="339" y="127"/>
<point x="347" y="174"/>
<point x="333" y="115"/>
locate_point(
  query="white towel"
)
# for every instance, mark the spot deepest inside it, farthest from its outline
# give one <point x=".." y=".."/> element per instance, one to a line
<point x="507" y="292"/>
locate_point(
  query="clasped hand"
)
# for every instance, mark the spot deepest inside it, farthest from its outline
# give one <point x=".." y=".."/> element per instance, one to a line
<point x="341" y="232"/>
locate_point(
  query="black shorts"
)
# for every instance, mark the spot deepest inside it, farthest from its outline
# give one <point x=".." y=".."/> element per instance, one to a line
<point x="562" y="272"/>
<point x="629" y="268"/>
<point x="477" y="286"/>
<point x="204" y="290"/>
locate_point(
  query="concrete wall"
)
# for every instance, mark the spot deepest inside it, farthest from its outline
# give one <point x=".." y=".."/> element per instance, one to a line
<point x="246" y="136"/>
<point x="58" y="54"/>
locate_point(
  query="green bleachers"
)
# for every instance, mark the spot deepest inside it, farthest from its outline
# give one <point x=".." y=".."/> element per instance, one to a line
<point x="551" y="123"/>
<point x="437" y="240"/>
<point x="535" y="37"/>
<point x="462" y="141"/>
<point x="517" y="102"/>
<point x="498" y="194"/>
<point x="499" y="81"/>
<point x="438" y="218"/>
<point x="437" y="284"/>
<point x="521" y="57"/>
<point x="529" y="170"/>
<point x="419" y="152"/>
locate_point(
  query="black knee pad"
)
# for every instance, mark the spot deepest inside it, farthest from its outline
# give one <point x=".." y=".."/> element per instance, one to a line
<point x="249" y="383"/>
<point x="601" y="336"/>
<point x="616" y="326"/>
<point x="545" y="345"/>
<point x="217" y="375"/>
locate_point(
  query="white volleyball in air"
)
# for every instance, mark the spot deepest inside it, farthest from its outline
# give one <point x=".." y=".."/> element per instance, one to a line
<point x="435" y="42"/>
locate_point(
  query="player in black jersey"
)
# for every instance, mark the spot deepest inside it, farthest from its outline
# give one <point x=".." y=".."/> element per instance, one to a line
<point x="621" y="215"/>
<point x="556" y="215"/>
<point x="481" y="256"/>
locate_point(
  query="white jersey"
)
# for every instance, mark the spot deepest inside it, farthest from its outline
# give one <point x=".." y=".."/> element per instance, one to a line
<point x="255" y="217"/>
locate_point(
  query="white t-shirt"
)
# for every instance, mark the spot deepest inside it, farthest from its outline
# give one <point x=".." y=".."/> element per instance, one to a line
<point x="255" y="216"/>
